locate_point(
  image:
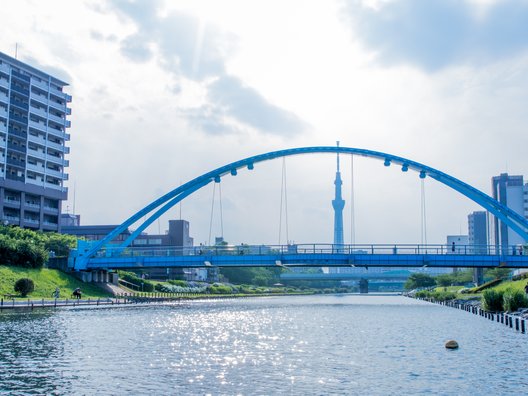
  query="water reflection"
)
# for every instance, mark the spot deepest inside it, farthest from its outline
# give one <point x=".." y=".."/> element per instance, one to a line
<point x="303" y="345"/>
<point x="32" y="353"/>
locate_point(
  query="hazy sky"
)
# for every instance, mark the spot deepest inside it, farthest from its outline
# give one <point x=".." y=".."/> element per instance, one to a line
<point x="164" y="91"/>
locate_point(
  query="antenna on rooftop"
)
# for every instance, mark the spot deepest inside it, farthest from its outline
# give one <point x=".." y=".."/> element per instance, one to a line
<point x="16" y="50"/>
<point x="74" y="184"/>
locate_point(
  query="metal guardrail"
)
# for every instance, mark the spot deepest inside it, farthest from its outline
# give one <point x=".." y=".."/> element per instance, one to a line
<point x="264" y="250"/>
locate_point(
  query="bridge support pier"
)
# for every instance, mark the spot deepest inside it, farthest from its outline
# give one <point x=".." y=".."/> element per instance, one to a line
<point x="98" y="276"/>
<point x="478" y="276"/>
<point x="363" y="285"/>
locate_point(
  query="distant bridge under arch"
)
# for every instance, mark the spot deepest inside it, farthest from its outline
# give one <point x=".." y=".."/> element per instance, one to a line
<point x="161" y="205"/>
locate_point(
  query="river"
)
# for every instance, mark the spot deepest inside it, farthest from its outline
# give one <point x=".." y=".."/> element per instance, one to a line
<point x="304" y="345"/>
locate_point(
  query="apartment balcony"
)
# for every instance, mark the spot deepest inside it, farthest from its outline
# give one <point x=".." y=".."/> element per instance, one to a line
<point x="33" y="205"/>
<point x="36" y="154"/>
<point x="58" y="106"/>
<point x="57" y="160"/>
<point x="40" y="112"/>
<point x="3" y="144"/>
<point x="15" y="177"/>
<point x="29" y="220"/>
<point x="49" y="209"/>
<point x="35" y="182"/>
<point x="35" y="168"/>
<point x="12" y="219"/>
<point x="37" y="139"/>
<point x="19" y="119"/>
<point x="3" y="127"/>
<point x="39" y="98"/>
<point x="38" y="126"/>
<point x="18" y="103"/>
<point x="19" y="133"/>
<point x="57" y="174"/>
<point x="4" y="83"/>
<point x="59" y="147"/>
<point x="22" y="91"/>
<point x="60" y="95"/>
<point x="16" y="147"/>
<point x="3" y="97"/>
<point x="59" y="120"/>
<point x="12" y="202"/>
<point x="16" y="162"/>
<point x="61" y="134"/>
<point x="4" y="68"/>
<point x="40" y="84"/>
<point x="3" y="113"/>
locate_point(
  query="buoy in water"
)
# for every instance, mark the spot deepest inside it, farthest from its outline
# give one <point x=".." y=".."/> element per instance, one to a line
<point x="451" y="344"/>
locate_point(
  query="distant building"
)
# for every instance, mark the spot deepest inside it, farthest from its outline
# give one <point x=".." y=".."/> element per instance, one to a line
<point x="525" y="199"/>
<point x="509" y="191"/>
<point x="70" y="220"/>
<point x="177" y="236"/>
<point x="458" y="244"/>
<point x="33" y="111"/>
<point x="478" y="232"/>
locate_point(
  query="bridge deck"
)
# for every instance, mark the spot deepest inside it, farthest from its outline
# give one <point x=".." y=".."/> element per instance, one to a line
<point x="245" y="256"/>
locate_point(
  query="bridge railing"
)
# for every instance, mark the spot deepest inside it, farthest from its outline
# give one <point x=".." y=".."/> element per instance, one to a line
<point x="261" y="250"/>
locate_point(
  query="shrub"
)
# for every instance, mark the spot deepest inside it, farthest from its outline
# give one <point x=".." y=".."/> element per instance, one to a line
<point x="24" y="286"/>
<point x="136" y="280"/>
<point x="444" y="296"/>
<point x="178" y="282"/>
<point x="422" y="294"/>
<point x="220" y="289"/>
<point x="492" y="300"/>
<point x="514" y="299"/>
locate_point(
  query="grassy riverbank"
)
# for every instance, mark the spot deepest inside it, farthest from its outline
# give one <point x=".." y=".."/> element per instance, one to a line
<point x="45" y="280"/>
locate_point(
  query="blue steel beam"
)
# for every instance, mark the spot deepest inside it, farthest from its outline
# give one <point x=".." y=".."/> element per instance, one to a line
<point x="508" y="216"/>
<point x="310" y="260"/>
<point x="285" y="276"/>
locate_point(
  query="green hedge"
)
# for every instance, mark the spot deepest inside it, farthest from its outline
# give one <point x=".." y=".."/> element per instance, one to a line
<point x="30" y="249"/>
<point x="514" y="299"/>
<point x="136" y="280"/>
<point x="436" y="295"/>
<point x="492" y="300"/>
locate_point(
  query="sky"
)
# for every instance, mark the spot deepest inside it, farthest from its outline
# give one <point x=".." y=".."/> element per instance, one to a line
<point x="164" y="91"/>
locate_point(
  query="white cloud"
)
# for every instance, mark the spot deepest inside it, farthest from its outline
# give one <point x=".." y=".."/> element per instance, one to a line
<point x="137" y="123"/>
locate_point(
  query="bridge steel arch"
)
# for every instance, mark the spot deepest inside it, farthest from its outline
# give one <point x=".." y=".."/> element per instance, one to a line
<point x="514" y="220"/>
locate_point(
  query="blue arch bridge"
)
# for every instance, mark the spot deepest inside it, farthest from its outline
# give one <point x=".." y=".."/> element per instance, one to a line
<point x="103" y="255"/>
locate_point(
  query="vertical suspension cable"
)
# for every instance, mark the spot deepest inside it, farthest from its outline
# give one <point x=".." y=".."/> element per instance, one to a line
<point x="280" y="208"/>
<point x="423" y="214"/>
<point x="180" y="204"/>
<point x="221" y="211"/>
<point x="285" y="199"/>
<point x="212" y="211"/>
<point x="352" y="208"/>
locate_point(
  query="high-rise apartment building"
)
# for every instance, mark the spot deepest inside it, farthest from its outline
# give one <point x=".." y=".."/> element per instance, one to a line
<point x="33" y="110"/>
<point x="509" y="191"/>
<point x="478" y="232"/>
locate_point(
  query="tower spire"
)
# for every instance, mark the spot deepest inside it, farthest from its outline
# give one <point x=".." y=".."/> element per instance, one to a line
<point x="338" y="204"/>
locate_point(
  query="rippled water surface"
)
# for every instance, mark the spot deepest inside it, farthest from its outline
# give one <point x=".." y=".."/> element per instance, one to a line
<point x="365" y="345"/>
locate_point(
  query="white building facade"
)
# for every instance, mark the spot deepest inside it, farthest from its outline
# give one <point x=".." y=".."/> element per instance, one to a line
<point x="33" y="124"/>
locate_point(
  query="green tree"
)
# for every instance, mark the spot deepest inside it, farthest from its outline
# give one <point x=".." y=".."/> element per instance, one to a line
<point x="24" y="286"/>
<point x="497" y="273"/>
<point x="444" y="280"/>
<point x="417" y="280"/>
